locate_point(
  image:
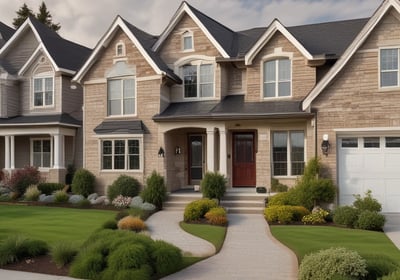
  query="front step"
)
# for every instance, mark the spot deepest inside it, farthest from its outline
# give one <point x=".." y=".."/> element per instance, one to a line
<point x="243" y="202"/>
<point x="178" y="201"/>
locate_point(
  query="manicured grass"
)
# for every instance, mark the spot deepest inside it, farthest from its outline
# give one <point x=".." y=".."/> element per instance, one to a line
<point x="51" y="224"/>
<point x="213" y="234"/>
<point x="306" y="239"/>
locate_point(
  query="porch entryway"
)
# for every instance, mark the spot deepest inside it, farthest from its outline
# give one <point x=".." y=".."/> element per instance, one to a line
<point x="243" y="164"/>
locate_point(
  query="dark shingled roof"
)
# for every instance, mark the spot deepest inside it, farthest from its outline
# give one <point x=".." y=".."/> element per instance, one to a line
<point x="147" y="41"/>
<point x="329" y="38"/>
<point x="60" y="119"/>
<point x="120" y="127"/>
<point x="5" y="33"/>
<point x="66" y="54"/>
<point x="232" y="106"/>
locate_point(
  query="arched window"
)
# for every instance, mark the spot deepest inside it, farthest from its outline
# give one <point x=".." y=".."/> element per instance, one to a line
<point x="120" y="49"/>
<point x="187" y="41"/>
<point x="277" y="78"/>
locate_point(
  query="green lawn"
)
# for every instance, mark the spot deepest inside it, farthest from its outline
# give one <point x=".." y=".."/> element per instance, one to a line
<point x="51" y="224"/>
<point x="213" y="234"/>
<point x="306" y="239"/>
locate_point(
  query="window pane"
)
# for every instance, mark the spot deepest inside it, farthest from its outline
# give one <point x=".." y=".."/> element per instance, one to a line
<point x="107" y="162"/>
<point x="297" y="152"/>
<point x="37" y="146"/>
<point x="371" y="142"/>
<point x="114" y="107"/>
<point x="49" y="84"/>
<point x="46" y="160"/>
<point x="350" y="142"/>
<point x="392" y="142"/>
<point x="114" y="89"/>
<point x="38" y="99"/>
<point x="119" y="147"/>
<point x="190" y="80"/>
<point x="129" y="88"/>
<point x="284" y="88"/>
<point x="37" y="85"/>
<point x="269" y="71"/>
<point x="284" y="69"/>
<point x="134" y="162"/>
<point x="206" y="73"/>
<point x="119" y="162"/>
<point x="46" y="145"/>
<point x="133" y="146"/>
<point x="389" y="79"/>
<point x="269" y="89"/>
<point x="280" y="153"/>
<point x="37" y="159"/>
<point x="48" y="98"/>
<point x="187" y="42"/>
<point x="129" y="106"/>
<point x="206" y="90"/>
<point x="107" y="147"/>
<point x="389" y="59"/>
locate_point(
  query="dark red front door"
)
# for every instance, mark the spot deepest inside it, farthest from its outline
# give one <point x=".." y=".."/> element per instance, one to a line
<point x="244" y="164"/>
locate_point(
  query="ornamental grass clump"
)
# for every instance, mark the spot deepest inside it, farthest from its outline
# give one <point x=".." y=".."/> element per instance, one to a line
<point x="61" y="196"/>
<point x="63" y="253"/>
<point x="131" y="223"/>
<point x="16" y="247"/>
<point x="326" y="264"/>
<point x="32" y="193"/>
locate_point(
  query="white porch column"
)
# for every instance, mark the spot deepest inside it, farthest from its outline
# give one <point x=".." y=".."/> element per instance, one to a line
<point x="12" y="150"/>
<point x="58" y="151"/>
<point x="210" y="149"/>
<point x="222" y="152"/>
<point x="7" y="152"/>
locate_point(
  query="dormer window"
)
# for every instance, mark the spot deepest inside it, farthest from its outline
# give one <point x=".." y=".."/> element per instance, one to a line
<point x="43" y="91"/>
<point x="187" y="41"/>
<point x="277" y="78"/>
<point x="120" y="49"/>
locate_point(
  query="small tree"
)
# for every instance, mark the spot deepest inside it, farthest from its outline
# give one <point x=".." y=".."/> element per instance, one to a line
<point x="155" y="192"/>
<point x="83" y="182"/>
<point x="22" y="14"/>
<point x="213" y="185"/>
<point x="21" y="179"/>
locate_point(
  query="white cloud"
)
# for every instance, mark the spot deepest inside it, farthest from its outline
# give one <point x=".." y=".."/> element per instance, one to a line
<point x="85" y="21"/>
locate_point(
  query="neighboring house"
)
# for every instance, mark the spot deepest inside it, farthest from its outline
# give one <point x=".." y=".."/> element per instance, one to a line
<point x="40" y="114"/>
<point x="5" y="33"/>
<point x="254" y="104"/>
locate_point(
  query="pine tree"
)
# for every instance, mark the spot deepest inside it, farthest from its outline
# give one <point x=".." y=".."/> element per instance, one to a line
<point x="22" y="14"/>
<point x="43" y="16"/>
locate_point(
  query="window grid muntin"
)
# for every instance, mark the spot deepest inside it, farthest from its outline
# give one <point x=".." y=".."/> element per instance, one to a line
<point x="121" y="154"/>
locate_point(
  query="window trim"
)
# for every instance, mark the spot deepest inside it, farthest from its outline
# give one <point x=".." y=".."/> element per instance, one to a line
<point x="276" y="58"/>
<point x="289" y="152"/>
<point x="198" y="64"/>
<point x="41" y="168"/>
<point x="122" y="99"/>
<point x="123" y="49"/>
<point x="126" y="155"/>
<point x="187" y="34"/>
<point x="388" y="88"/>
<point x="43" y="76"/>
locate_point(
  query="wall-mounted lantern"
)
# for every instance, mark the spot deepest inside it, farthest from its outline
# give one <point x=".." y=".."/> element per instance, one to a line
<point x="178" y="150"/>
<point x="161" y="152"/>
<point x="325" y="144"/>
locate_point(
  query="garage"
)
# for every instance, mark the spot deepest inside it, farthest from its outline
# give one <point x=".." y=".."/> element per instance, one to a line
<point x="370" y="163"/>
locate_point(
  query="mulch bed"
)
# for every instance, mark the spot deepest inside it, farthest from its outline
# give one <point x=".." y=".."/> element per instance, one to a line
<point x="41" y="264"/>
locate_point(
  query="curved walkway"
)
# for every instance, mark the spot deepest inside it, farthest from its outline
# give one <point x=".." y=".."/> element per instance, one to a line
<point x="249" y="251"/>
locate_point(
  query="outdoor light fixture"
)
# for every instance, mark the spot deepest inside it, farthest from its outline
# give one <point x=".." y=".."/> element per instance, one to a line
<point x="325" y="144"/>
<point x="161" y="152"/>
<point x="178" y="150"/>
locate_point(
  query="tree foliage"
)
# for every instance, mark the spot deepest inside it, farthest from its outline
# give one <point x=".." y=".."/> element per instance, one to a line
<point x="43" y="16"/>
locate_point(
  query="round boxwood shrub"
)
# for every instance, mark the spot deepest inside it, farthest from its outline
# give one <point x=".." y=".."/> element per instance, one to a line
<point x="334" y="261"/>
<point x="83" y="182"/>
<point x="129" y="256"/>
<point x="346" y="216"/>
<point x="196" y="210"/>
<point x="285" y="214"/>
<point x="213" y="185"/>
<point x="155" y="191"/>
<point x="49" y="188"/>
<point x="124" y="185"/>
<point x="370" y="220"/>
<point x="167" y="257"/>
<point x="367" y="202"/>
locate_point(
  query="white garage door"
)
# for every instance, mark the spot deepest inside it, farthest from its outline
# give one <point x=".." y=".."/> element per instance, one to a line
<point x="370" y="163"/>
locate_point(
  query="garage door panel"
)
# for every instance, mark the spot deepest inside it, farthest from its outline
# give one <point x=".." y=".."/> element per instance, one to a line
<point x="393" y="187"/>
<point x="391" y="158"/>
<point x="373" y="163"/>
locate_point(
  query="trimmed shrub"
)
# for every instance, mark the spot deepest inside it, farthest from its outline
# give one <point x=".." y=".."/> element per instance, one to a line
<point x="370" y="220"/>
<point x="346" y="216"/>
<point x="167" y="257"/>
<point x="392" y="276"/>
<point x="280" y="199"/>
<point x="61" y="196"/>
<point x="129" y="256"/>
<point x="213" y="185"/>
<point x="367" y="202"/>
<point x="121" y="201"/>
<point x="63" y="253"/>
<point x="217" y="216"/>
<point x="276" y="186"/>
<point x="50" y="188"/>
<point x="83" y="182"/>
<point x="284" y="214"/>
<point x="334" y="261"/>
<point x="87" y="265"/>
<point x="316" y="217"/>
<point x="196" y="210"/>
<point x="124" y="185"/>
<point x="155" y="191"/>
<point x="21" y="179"/>
<point x="32" y="193"/>
<point x="131" y="223"/>
<point x="379" y="265"/>
<point x="110" y="224"/>
<point x="16" y="247"/>
<point x="84" y="203"/>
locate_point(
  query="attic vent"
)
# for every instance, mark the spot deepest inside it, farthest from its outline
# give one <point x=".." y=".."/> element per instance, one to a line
<point x="42" y="59"/>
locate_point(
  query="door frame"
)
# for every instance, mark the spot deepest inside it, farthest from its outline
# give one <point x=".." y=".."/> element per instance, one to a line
<point x="189" y="160"/>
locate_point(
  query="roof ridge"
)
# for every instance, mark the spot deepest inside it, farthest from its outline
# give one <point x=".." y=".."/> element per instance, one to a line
<point x="328" y="22"/>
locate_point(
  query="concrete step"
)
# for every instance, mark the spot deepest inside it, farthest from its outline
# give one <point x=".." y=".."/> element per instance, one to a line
<point x="245" y="210"/>
<point x="243" y="203"/>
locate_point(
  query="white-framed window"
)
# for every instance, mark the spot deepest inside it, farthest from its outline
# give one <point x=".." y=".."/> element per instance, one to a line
<point x="277" y="78"/>
<point x="121" y="97"/>
<point x="43" y="91"/>
<point x="198" y="80"/>
<point x="121" y="154"/>
<point x="389" y="67"/>
<point x="187" y="41"/>
<point x="41" y="152"/>
<point x="288" y="154"/>
<point x="120" y="49"/>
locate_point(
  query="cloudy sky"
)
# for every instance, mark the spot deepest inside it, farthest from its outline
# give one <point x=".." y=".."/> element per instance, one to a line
<point x="85" y="21"/>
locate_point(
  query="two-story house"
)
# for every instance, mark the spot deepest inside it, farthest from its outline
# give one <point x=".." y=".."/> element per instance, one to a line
<point x="253" y="104"/>
<point x="40" y="113"/>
